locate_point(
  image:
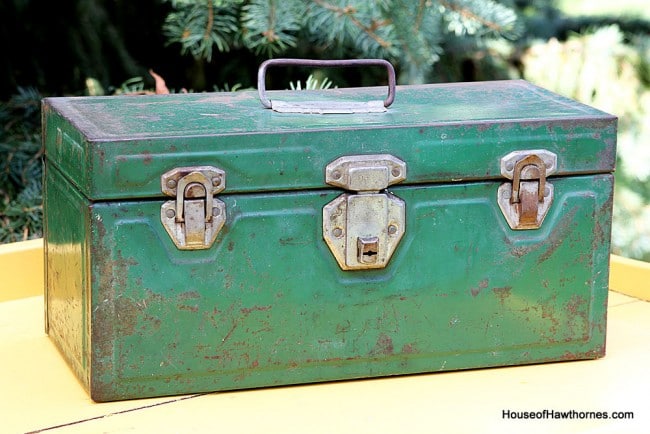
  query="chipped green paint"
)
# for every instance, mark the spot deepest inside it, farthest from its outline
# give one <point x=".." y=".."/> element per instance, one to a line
<point x="267" y="304"/>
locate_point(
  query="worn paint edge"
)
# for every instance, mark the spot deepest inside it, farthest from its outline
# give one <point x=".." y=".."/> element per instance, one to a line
<point x="22" y="272"/>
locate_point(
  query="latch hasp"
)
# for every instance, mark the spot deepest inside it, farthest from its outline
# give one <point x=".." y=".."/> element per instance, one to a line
<point x="526" y="200"/>
<point x="195" y="218"/>
<point x="363" y="227"/>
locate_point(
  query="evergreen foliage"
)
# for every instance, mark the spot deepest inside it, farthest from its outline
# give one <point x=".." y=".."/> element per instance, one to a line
<point x="411" y="34"/>
<point x="600" y="69"/>
<point x="20" y="167"/>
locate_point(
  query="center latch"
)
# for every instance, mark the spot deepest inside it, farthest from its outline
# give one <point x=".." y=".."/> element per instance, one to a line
<point x="363" y="229"/>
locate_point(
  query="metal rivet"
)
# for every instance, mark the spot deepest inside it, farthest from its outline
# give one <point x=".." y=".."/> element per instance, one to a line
<point x="216" y="212"/>
<point x="396" y="172"/>
<point x="392" y="230"/>
<point x="170" y="213"/>
<point x="216" y="181"/>
<point x="336" y="174"/>
<point x="171" y="183"/>
<point x="337" y="232"/>
<point x="510" y="165"/>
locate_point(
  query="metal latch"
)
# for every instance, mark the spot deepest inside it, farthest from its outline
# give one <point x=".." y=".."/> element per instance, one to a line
<point x="363" y="229"/>
<point x="195" y="218"/>
<point x="526" y="201"/>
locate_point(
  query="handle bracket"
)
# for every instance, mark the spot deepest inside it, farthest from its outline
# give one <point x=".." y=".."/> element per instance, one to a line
<point x="326" y="106"/>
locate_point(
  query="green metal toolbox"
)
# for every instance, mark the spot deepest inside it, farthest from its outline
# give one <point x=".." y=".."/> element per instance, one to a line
<point x="203" y="242"/>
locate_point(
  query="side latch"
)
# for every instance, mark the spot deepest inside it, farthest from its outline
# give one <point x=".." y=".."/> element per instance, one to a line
<point x="363" y="227"/>
<point x="195" y="218"/>
<point x="526" y="200"/>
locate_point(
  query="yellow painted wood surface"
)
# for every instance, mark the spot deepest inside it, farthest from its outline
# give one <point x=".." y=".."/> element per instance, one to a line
<point x="630" y="277"/>
<point x="38" y="392"/>
<point x="21" y="269"/>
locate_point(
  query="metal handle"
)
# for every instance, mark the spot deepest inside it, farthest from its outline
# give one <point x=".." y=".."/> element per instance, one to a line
<point x="261" y="73"/>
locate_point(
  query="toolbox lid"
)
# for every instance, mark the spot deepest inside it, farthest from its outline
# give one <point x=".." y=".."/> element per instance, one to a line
<point x="117" y="147"/>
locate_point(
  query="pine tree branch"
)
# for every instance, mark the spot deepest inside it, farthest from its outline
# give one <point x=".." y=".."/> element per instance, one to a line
<point x="210" y="23"/>
<point x="420" y="15"/>
<point x="269" y="34"/>
<point x="468" y="14"/>
<point x="349" y="12"/>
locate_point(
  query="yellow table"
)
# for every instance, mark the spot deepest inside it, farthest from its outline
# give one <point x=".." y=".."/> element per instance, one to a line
<point x="38" y="393"/>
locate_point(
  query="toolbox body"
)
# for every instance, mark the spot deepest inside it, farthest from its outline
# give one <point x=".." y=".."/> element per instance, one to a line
<point x="280" y="284"/>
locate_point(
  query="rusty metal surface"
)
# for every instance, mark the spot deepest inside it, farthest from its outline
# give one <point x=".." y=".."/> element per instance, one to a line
<point x="117" y="147"/>
<point x="267" y="303"/>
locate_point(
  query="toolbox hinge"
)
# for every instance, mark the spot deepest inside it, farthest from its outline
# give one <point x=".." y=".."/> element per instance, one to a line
<point x="364" y="226"/>
<point x="195" y="218"/>
<point x="526" y="200"/>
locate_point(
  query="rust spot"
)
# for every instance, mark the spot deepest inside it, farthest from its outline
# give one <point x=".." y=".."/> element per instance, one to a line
<point x="555" y="239"/>
<point x="601" y="235"/>
<point x="502" y="293"/>
<point x="343" y="327"/>
<point x="548" y="312"/>
<point x="189" y="308"/>
<point x="559" y="234"/>
<point x="227" y="279"/>
<point x="116" y="315"/>
<point x="575" y="306"/>
<point x="231" y="246"/>
<point x="287" y="241"/>
<point x="409" y="349"/>
<point x="481" y="286"/>
<point x="606" y="158"/>
<point x="570" y="356"/>
<point x="154" y="323"/>
<point x="518" y="252"/>
<point x="384" y="346"/>
<point x="248" y="310"/>
<point x="146" y="158"/>
<point x="126" y="313"/>
<point x="189" y="295"/>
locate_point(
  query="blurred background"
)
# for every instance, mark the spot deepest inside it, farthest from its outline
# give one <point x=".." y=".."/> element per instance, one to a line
<point x="594" y="51"/>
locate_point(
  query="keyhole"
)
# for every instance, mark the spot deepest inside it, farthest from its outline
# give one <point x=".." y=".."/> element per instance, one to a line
<point x="368" y="249"/>
<point x="369" y="255"/>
